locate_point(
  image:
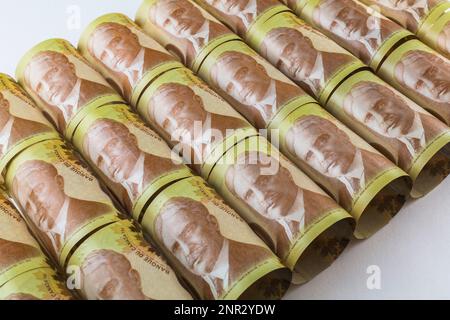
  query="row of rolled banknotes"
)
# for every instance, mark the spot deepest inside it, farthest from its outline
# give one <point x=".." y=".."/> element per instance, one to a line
<point x="217" y="149"/>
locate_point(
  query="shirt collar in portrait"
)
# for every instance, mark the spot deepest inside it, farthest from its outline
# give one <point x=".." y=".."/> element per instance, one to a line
<point x="136" y="178"/>
<point x="355" y="172"/>
<point x="374" y="34"/>
<point x="136" y="69"/>
<point x="221" y="270"/>
<point x="417" y="132"/>
<point x="414" y="8"/>
<point x="5" y="134"/>
<point x="249" y="11"/>
<point x="296" y="214"/>
<point x="70" y="105"/>
<point x="269" y="101"/>
<point x="201" y="38"/>
<point x="57" y="232"/>
<point x="316" y="78"/>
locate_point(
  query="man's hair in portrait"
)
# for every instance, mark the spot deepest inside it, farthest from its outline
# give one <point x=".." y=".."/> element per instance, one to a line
<point x="170" y="90"/>
<point x="283" y="35"/>
<point x="228" y="59"/>
<point x="263" y="164"/>
<point x="50" y="58"/>
<point x="409" y="59"/>
<point x="189" y="208"/>
<point x="103" y="31"/>
<point x="32" y="166"/>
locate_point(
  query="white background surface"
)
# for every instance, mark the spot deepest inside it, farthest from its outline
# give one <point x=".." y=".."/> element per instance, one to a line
<point x="413" y="252"/>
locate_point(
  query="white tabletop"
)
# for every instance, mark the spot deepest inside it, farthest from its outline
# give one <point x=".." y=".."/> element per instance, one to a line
<point x="410" y="258"/>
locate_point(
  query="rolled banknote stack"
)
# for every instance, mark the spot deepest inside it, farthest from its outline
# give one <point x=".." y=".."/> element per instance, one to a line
<point x="429" y="19"/>
<point x="359" y="178"/>
<point x="177" y="101"/>
<point x="66" y="207"/>
<point x="418" y="143"/>
<point x="26" y="273"/>
<point x="406" y="63"/>
<point x="138" y="167"/>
